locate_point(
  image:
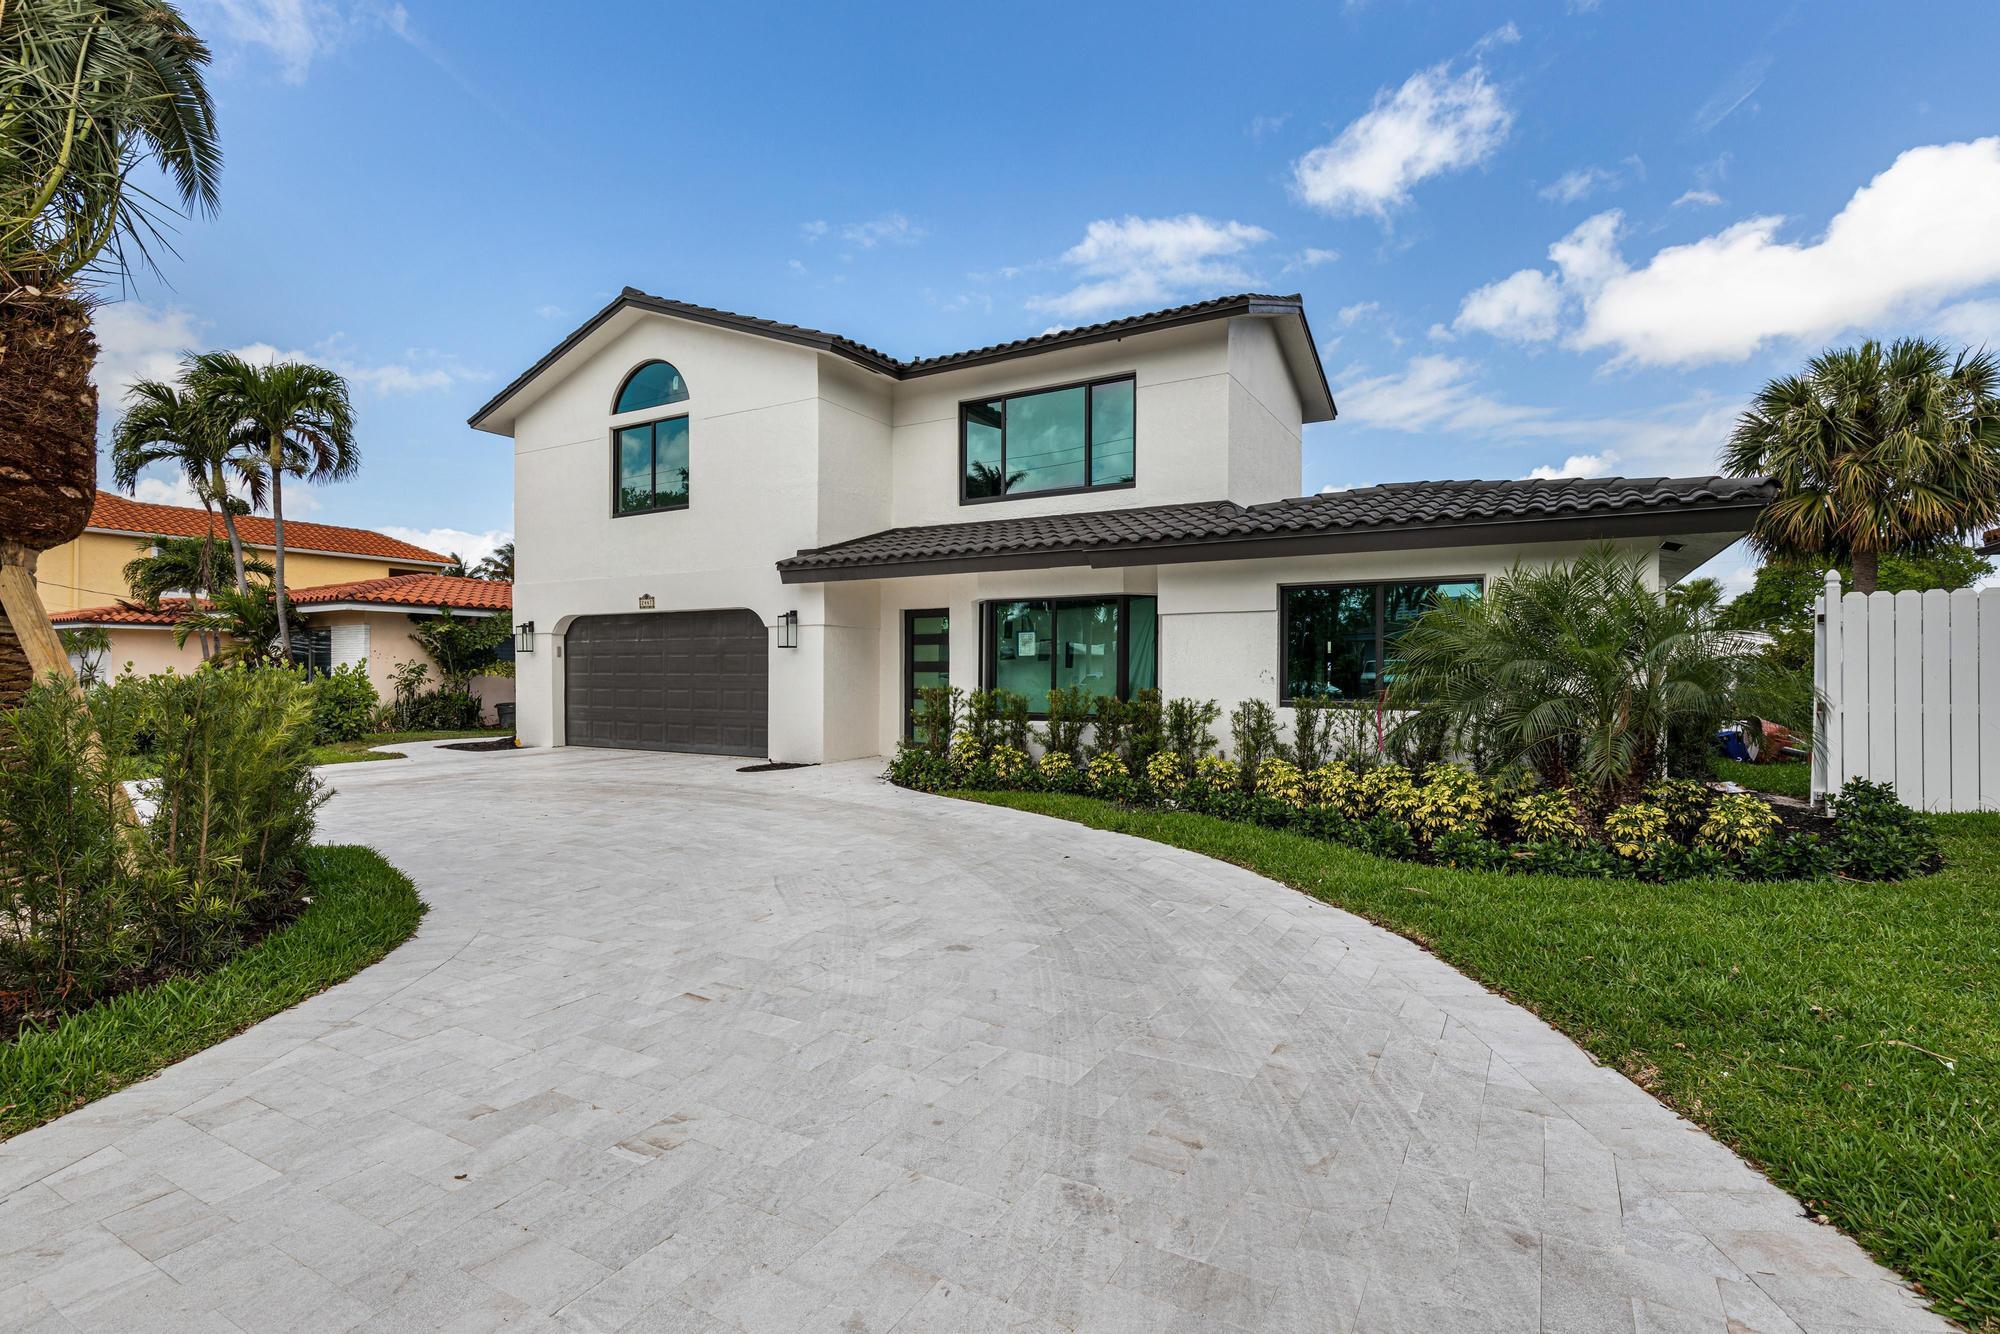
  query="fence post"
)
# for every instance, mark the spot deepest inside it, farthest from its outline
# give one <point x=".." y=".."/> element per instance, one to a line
<point x="1826" y="693"/>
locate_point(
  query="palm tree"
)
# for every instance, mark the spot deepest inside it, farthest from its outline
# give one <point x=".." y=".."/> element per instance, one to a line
<point x="166" y="423"/>
<point x="243" y="625"/>
<point x="457" y="569"/>
<point x="92" y="93"/>
<point x="1578" y="671"/>
<point x="299" y="415"/>
<point x="497" y="566"/>
<point x="1876" y="450"/>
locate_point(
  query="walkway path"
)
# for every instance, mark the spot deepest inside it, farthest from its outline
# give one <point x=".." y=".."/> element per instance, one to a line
<point x="684" y="1048"/>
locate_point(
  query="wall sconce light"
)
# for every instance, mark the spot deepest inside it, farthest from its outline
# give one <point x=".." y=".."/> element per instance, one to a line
<point x="524" y="637"/>
<point x="788" y="630"/>
<point x="645" y="602"/>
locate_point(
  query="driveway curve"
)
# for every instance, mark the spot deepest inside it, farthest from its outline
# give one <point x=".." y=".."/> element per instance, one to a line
<point x="686" y="1048"/>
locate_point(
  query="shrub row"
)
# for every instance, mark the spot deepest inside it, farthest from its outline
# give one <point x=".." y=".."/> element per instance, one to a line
<point x="1437" y="812"/>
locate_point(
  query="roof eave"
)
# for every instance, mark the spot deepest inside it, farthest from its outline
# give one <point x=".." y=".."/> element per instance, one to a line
<point x="1729" y="517"/>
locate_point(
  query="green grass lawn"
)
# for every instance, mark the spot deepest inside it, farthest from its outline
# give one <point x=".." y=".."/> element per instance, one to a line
<point x="1787" y="780"/>
<point x="362" y="751"/>
<point x="361" y="908"/>
<point x="1843" y="1036"/>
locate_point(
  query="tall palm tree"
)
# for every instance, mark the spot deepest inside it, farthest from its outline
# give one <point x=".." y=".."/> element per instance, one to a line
<point x="498" y="566"/>
<point x="166" y="423"/>
<point x="91" y="93"/>
<point x="299" y="414"/>
<point x="1875" y="450"/>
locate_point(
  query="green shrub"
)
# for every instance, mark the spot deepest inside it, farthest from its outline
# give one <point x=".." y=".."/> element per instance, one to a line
<point x="1685" y="801"/>
<point x="1069" y="714"/>
<point x="1312" y="734"/>
<point x="917" y="766"/>
<point x="1468" y="850"/>
<point x="1791" y="857"/>
<point x="934" y="719"/>
<point x="996" y="718"/>
<point x="95" y="898"/>
<point x="1106" y="776"/>
<point x="1057" y="771"/>
<point x="344" y="703"/>
<point x="1189" y="727"/>
<point x="1144" y="737"/>
<point x="1253" y="730"/>
<point x="1877" y="837"/>
<point x="1010" y="765"/>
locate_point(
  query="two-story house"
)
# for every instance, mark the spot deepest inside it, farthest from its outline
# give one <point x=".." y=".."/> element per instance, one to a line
<point x="746" y="537"/>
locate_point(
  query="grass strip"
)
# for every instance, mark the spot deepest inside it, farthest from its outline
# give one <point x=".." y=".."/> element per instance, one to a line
<point x="362" y="907"/>
<point x="1843" y="1036"/>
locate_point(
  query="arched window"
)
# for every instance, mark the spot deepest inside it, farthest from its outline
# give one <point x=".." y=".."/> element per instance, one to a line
<point x="654" y="384"/>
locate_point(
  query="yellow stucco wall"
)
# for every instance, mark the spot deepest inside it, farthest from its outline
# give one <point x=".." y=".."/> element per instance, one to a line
<point x="88" y="572"/>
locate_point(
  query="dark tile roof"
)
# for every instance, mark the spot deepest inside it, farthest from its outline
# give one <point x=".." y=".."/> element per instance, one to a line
<point x="1392" y="514"/>
<point x="1242" y="303"/>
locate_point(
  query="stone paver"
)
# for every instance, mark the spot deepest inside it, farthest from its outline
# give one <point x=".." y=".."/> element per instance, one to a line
<point x="682" y="1048"/>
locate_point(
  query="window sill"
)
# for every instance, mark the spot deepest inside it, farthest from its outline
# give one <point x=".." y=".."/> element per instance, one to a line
<point x="656" y="509"/>
<point x="964" y="499"/>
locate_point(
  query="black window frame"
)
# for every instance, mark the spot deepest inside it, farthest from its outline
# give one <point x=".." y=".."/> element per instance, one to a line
<point x="989" y="646"/>
<point x="633" y="374"/>
<point x="1286" y="698"/>
<point x="1089" y="427"/>
<point x="910" y="637"/>
<point x="618" y="512"/>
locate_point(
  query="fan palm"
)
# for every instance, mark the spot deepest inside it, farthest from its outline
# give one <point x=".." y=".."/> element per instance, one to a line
<point x="166" y="423"/>
<point x="1577" y="671"/>
<point x="1876" y="450"/>
<point x="91" y="92"/>
<point x="299" y="415"/>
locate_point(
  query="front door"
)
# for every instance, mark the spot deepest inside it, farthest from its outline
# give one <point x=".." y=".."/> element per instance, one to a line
<point x="926" y="658"/>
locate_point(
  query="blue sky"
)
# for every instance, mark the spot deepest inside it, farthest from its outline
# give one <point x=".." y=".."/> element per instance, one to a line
<point x="1568" y="238"/>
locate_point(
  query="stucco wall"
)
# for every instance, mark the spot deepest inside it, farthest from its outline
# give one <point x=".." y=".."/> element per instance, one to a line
<point x="89" y="571"/>
<point x="148" y="651"/>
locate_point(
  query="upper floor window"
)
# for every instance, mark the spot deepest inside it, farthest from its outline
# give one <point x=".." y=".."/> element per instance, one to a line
<point x="1074" y="438"/>
<point x="652" y="385"/>
<point x="652" y="462"/>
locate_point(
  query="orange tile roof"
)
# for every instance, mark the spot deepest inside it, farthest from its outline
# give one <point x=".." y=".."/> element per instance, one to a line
<point x="121" y="514"/>
<point x="413" y="590"/>
<point x="417" y="592"/>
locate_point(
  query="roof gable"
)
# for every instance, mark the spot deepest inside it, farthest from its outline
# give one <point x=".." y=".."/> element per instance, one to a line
<point x="1302" y="354"/>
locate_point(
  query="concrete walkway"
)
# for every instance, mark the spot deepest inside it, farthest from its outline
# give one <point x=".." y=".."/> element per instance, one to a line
<point x="683" y="1048"/>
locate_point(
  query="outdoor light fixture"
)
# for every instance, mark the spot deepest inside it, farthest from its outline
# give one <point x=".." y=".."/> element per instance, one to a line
<point x="788" y="630"/>
<point x="645" y="602"/>
<point x="524" y="637"/>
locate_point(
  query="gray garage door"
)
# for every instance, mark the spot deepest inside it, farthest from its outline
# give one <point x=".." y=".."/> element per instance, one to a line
<point x="685" y="680"/>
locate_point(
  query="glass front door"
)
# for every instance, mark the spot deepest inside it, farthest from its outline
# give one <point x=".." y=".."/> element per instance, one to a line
<point x="926" y="660"/>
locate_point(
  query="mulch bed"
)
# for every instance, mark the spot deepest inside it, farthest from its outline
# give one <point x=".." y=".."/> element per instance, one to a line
<point x="497" y="743"/>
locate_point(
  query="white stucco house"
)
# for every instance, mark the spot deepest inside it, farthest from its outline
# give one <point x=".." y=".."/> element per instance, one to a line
<point x="745" y="537"/>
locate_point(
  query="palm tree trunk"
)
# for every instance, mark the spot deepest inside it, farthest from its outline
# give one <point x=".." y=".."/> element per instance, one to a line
<point x="229" y="526"/>
<point x="48" y="460"/>
<point x="1864" y="571"/>
<point x="278" y="543"/>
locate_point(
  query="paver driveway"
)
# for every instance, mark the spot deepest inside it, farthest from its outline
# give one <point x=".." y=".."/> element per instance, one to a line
<point x="682" y="1048"/>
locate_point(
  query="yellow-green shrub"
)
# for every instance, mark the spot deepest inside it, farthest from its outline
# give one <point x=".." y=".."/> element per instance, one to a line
<point x="1683" y="799"/>
<point x="1106" y="774"/>
<point x="1453" y="800"/>
<point x="1736" y="823"/>
<point x="1548" y="817"/>
<point x="1166" y="773"/>
<point x="1010" y="764"/>
<point x="1215" y="773"/>
<point x="1638" y="831"/>
<point x="1280" y="780"/>
<point x="1388" y="790"/>
<point x="1339" y="787"/>
<point x="1057" y="769"/>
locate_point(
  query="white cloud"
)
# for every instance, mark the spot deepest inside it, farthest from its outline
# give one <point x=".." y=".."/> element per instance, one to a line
<point x="1262" y="126"/>
<point x="1572" y="186"/>
<point x="1921" y="232"/>
<point x="1974" y="322"/>
<point x="1737" y="89"/>
<point x="294" y="32"/>
<point x="138" y="342"/>
<point x="1434" y="394"/>
<point x="1698" y="199"/>
<point x="813" y="230"/>
<point x="550" y="312"/>
<point x="1310" y="258"/>
<point x="1133" y="261"/>
<point x="1436" y="122"/>
<point x="171" y="489"/>
<point x="1360" y="310"/>
<point x="892" y="228"/>
<point x="1522" y="306"/>
<point x="472" y="547"/>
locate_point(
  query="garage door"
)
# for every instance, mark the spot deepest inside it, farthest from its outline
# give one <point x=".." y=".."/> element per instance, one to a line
<point x="687" y="680"/>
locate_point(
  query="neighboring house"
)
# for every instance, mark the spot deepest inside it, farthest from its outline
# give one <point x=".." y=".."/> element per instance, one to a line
<point x="90" y="571"/>
<point x="364" y="621"/>
<point x="751" y="538"/>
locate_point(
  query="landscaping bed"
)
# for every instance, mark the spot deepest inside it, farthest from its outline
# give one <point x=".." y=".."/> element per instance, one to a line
<point x="356" y="908"/>
<point x="361" y="750"/>
<point x="1842" y="1035"/>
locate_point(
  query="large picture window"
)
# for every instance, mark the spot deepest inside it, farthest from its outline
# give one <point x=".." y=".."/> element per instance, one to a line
<point x="1075" y="438"/>
<point x="1105" y="646"/>
<point x="1336" y="637"/>
<point x="651" y="462"/>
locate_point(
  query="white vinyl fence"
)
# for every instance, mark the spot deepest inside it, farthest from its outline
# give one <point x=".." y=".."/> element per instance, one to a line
<point x="1909" y="687"/>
